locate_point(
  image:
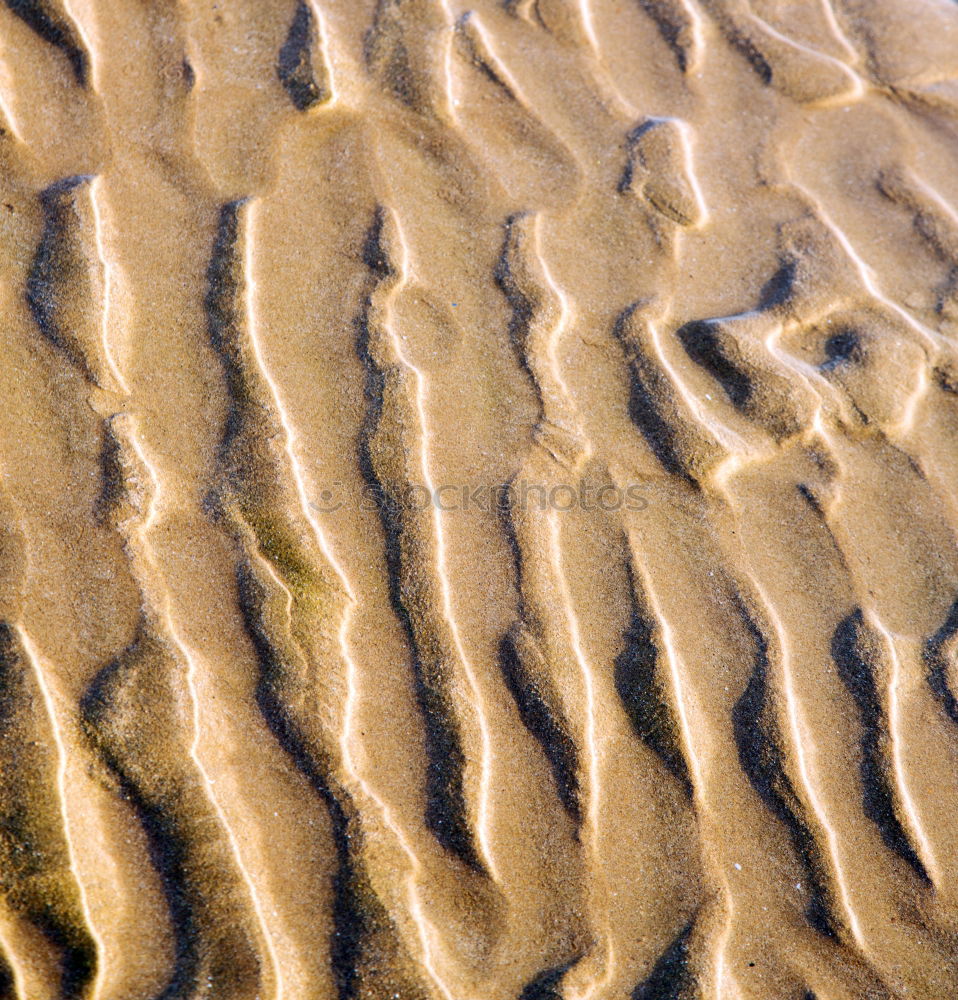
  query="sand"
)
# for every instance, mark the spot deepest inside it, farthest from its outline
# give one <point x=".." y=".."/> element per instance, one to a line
<point x="478" y="500"/>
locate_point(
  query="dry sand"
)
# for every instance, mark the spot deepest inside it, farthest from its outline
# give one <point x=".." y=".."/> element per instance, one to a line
<point x="297" y="701"/>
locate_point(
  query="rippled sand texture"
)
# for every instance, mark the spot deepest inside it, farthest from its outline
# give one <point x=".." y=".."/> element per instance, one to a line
<point x="265" y="259"/>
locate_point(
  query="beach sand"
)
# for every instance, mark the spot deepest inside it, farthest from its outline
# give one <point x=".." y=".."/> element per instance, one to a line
<point x="478" y="500"/>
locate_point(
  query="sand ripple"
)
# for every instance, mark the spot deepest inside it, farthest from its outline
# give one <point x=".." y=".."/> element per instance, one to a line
<point x="478" y="511"/>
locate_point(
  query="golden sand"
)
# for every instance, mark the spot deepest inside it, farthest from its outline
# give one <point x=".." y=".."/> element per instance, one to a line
<point x="478" y="499"/>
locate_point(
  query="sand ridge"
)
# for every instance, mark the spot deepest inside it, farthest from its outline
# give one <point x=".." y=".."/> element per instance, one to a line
<point x="478" y="499"/>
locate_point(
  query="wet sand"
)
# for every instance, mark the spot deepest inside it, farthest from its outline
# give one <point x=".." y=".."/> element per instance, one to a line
<point x="478" y="506"/>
